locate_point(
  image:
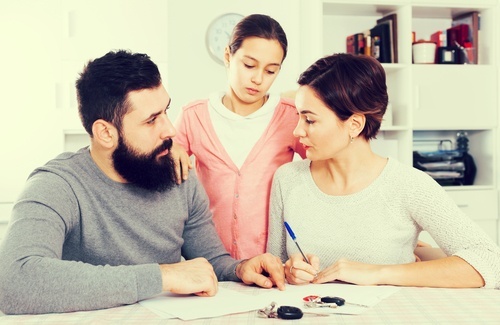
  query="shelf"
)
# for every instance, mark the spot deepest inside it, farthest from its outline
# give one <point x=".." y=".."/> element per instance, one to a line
<point x="481" y="143"/>
<point x="428" y="100"/>
<point x="357" y="9"/>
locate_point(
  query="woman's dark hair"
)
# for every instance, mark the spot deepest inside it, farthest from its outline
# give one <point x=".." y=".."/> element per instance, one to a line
<point x="257" y="25"/>
<point x="104" y="84"/>
<point x="350" y="84"/>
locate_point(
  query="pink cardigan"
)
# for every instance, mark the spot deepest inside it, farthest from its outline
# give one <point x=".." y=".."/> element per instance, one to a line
<point x="239" y="198"/>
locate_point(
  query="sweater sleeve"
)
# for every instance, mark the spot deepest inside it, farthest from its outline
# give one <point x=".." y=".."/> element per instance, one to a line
<point x="454" y="232"/>
<point x="33" y="276"/>
<point x="276" y="241"/>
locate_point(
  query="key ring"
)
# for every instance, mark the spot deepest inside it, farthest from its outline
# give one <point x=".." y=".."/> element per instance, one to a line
<point x="314" y="301"/>
<point x="319" y="302"/>
<point x="283" y="312"/>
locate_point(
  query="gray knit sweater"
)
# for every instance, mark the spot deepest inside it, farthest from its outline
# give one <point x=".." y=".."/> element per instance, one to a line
<point x="378" y="225"/>
<point x="79" y="241"/>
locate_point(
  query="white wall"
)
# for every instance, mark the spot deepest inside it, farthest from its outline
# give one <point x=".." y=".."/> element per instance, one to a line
<point x="46" y="43"/>
<point x="28" y="126"/>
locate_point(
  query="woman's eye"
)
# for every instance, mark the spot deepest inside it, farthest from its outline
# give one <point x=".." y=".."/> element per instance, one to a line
<point x="151" y="121"/>
<point x="308" y="121"/>
<point x="248" y="66"/>
<point x="271" y="72"/>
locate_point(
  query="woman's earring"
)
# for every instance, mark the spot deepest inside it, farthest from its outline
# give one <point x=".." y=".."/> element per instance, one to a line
<point x="352" y="139"/>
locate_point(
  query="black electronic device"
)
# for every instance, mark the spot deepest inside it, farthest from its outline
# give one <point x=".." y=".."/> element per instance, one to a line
<point x="450" y="55"/>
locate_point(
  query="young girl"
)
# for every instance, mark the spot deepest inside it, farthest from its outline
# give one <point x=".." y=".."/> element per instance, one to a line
<point x="241" y="136"/>
<point x="360" y="214"/>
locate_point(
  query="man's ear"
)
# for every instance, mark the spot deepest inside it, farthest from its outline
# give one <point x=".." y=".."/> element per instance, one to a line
<point x="357" y="124"/>
<point x="105" y="134"/>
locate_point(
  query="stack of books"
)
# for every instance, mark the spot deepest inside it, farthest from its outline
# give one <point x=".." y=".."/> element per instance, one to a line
<point x="379" y="42"/>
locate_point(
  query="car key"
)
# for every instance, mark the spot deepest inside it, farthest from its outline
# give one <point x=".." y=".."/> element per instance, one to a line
<point x="285" y="312"/>
<point x="289" y="312"/>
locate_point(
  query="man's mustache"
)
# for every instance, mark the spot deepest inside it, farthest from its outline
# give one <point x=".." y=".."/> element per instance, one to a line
<point x="167" y="144"/>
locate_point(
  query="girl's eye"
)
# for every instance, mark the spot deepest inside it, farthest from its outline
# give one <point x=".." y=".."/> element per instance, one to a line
<point x="151" y="121"/>
<point x="271" y="72"/>
<point x="308" y="121"/>
<point x="248" y="66"/>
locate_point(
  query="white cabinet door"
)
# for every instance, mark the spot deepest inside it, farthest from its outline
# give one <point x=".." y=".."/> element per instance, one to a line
<point x="454" y="96"/>
<point x="481" y="206"/>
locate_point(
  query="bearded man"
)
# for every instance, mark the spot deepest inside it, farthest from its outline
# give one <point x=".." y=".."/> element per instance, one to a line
<point x="109" y="225"/>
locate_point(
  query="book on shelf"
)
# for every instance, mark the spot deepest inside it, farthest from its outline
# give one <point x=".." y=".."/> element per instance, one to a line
<point x="381" y="43"/>
<point x="439" y="38"/>
<point x="458" y="36"/>
<point x="355" y="44"/>
<point x="392" y="21"/>
<point x="471" y="19"/>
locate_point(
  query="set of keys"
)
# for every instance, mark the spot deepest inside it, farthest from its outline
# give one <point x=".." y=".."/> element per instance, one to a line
<point x="285" y="312"/>
<point x="290" y="312"/>
<point x="327" y="302"/>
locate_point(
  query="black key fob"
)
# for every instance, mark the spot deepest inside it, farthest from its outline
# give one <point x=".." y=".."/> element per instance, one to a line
<point x="289" y="312"/>
<point x="333" y="300"/>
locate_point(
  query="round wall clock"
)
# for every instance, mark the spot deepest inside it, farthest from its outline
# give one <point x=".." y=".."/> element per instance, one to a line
<point x="218" y="33"/>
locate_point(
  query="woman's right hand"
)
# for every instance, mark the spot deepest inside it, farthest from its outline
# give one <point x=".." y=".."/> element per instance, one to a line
<point x="298" y="271"/>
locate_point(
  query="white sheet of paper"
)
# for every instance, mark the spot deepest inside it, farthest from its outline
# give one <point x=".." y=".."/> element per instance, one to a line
<point x="188" y="307"/>
<point x="238" y="299"/>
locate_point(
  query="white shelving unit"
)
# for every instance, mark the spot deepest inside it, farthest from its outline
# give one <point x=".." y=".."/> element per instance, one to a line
<point x="428" y="101"/>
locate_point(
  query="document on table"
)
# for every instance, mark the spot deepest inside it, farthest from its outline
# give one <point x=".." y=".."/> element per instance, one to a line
<point x="236" y="299"/>
<point x="188" y="307"/>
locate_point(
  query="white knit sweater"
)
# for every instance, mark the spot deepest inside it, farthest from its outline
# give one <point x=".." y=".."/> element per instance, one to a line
<point x="378" y="225"/>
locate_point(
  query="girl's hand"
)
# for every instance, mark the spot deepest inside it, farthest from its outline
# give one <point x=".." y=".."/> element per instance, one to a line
<point x="298" y="271"/>
<point x="182" y="162"/>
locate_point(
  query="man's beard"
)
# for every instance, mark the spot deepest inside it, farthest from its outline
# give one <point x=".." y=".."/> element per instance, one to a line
<point x="145" y="170"/>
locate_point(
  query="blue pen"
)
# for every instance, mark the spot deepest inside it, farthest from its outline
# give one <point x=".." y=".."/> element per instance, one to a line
<point x="290" y="232"/>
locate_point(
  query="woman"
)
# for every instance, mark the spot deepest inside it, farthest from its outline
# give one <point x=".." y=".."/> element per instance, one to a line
<point x="240" y="137"/>
<point x="360" y="213"/>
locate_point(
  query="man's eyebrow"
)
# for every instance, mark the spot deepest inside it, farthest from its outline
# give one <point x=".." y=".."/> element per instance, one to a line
<point x="159" y="112"/>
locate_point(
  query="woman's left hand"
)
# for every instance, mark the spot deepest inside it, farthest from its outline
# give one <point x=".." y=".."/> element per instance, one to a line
<point x="351" y="272"/>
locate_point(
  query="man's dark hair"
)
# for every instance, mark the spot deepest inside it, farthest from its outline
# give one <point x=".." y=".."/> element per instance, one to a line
<point x="105" y="82"/>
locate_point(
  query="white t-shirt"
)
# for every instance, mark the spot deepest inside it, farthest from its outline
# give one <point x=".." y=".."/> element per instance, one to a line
<point x="238" y="134"/>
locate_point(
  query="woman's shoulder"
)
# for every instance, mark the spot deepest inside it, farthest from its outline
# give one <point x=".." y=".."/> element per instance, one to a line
<point x="292" y="169"/>
<point x="406" y="176"/>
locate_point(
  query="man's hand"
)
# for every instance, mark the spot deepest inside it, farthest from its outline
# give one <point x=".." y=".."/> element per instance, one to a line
<point x="194" y="276"/>
<point x="182" y="162"/>
<point x="265" y="270"/>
